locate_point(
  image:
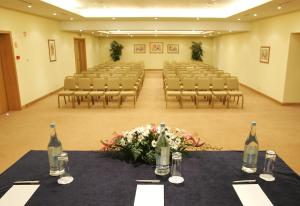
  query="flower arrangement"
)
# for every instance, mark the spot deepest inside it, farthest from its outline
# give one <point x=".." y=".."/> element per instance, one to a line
<point x="138" y="144"/>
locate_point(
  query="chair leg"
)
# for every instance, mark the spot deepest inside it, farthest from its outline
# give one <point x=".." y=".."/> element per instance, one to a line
<point x="134" y="100"/>
<point x="73" y="101"/>
<point x="242" y="101"/>
<point x="58" y="102"/>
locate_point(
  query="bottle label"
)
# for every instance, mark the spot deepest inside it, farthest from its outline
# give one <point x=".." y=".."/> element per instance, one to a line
<point x="165" y="156"/>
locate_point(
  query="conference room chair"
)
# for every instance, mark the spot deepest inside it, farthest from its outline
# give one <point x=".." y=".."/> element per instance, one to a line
<point x="68" y="90"/>
<point x="218" y="91"/>
<point x="82" y="93"/>
<point x="112" y="90"/>
<point x="233" y="91"/>
<point x="188" y="89"/>
<point x="98" y="92"/>
<point x="128" y="89"/>
<point x="203" y="91"/>
<point x="173" y="89"/>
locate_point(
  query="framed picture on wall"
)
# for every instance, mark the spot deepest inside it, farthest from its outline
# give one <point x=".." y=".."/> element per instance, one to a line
<point x="139" y="48"/>
<point x="173" y="48"/>
<point x="52" y="50"/>
<point x="156" y="47"/>
<point x="264" y="54"/>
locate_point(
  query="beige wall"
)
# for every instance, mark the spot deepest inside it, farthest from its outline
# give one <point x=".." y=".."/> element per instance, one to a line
<point x="38" y="76"/>
<point x="292" y="82"/>
<point x="156" y="61"/>
<point x="239" y="54"/>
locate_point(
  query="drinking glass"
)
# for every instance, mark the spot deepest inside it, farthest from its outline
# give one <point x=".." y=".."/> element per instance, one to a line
<point x="176" y="177"/>
<point x="65" y="177"/>
<point x="267" y="174"/>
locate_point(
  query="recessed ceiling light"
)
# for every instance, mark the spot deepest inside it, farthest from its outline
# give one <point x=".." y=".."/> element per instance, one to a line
<point x="113" y="18"/>
<point x="239" y="19"/>
<point x="155" y="18"/>
<point x="254" y="14"/>
<point x="54" y="14"/>
<point x="29" y="6"/>
<point x="279" y="7"/>
<point x="131" y="36"/>
<point x="71" y="18"/>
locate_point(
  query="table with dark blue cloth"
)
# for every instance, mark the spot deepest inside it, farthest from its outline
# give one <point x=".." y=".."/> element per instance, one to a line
<point x="103" y="180"/>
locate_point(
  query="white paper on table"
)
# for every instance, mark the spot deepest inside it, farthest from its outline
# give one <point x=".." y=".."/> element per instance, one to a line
<point x="18" y="195"/>
<point x="252" y="195"/>
<point x="149" y="195"/>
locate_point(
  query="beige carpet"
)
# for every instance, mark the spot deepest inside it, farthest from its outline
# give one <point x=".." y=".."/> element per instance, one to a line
<point x="278" y="127"/>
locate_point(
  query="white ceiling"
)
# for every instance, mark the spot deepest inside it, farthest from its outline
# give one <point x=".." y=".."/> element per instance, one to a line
<point x="208" y="16"/>
<point x="157" y="8"/>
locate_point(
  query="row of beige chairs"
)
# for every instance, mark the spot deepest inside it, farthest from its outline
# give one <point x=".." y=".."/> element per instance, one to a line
<point x="99" y="89"/>
<point x="201" y="88"/>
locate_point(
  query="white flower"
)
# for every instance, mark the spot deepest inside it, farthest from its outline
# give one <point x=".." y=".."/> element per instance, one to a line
<point x="146" y="133"/>
<point x="140" y="138"/>
<point x="153" y="143"/>
<point x="129" y="138"/>
<point x="122" y="142"/>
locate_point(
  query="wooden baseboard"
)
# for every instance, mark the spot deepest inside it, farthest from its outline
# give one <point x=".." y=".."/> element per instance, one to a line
<point x="39" y="99"/>
<point x="291" y="103"/>
<point x="271" y="98"/>
<point x="153" y="69"/>
<point x="260" y="93"/>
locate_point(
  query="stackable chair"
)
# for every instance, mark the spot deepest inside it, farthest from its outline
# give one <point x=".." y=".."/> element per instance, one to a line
<point x="98" y="92"/>
<point x="189" y="89"/>
<point x="112" y="90"/>
<point x="173" y="89"/>
<point x="69" y="88"/>
<point x="84" y="87"/>
<point x="203" y="90"/>
<point x="218" y="90"/>
<point x="233" y="91"/>
<point x="128" y="89"/>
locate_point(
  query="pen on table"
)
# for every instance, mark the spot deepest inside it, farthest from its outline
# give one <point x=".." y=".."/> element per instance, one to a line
<point x="27" y="182"/>
<point x="149" y="181"/>
<point x="244" y="181"/>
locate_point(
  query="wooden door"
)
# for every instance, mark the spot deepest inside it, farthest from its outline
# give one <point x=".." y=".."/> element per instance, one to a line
<point x="3" y="97"/>
<point x="8" y="81"/>
<point x="80" y="55"/>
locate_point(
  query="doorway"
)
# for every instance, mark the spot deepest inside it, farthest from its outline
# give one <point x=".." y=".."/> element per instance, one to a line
<point x="292" y="83"/>
<point x="80" y="55"/>
<point x="9" y="88"/>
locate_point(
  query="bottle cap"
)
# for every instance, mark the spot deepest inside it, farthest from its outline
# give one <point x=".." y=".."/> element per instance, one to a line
<point x="253" y="123"/>
<point x="52" y="125"/>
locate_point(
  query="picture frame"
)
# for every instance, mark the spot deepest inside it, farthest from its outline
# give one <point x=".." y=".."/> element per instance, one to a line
<point x="139" y="48"/>
<point x="173" y="48"/>
<point x="52" y="50"/>
<point x="156" y="47"/>
<point x="264" y="54"/>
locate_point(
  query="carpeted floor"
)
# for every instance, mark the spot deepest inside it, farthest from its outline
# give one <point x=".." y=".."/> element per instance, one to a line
<point x="278" y="127"/>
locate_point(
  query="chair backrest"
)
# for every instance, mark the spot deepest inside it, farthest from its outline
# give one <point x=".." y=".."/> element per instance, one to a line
<point x="128" y="84"/>
<point x="218" y="83"/>
<point x="84" y="83"/>
<point x="203" y="83"/>
<point x="113" y="84"/>
<point x="173" y="84"/>
<point x="188" y="83"/>
<point x="99" y="84"/>
<point x="232" y="84"/>
<point x="69" y="83"/>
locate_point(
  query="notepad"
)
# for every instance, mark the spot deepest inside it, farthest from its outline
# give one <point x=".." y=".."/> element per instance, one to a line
<point x="18" y="195"/>
<point x="149" y="195"/>
<point x="252" y="195"/>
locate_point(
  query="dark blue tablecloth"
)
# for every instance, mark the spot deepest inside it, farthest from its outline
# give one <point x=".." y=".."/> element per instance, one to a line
<point x="103" y="180"/>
